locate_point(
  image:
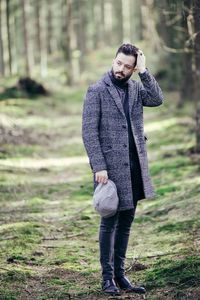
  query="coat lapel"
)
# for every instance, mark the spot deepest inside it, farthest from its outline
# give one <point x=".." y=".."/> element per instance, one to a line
<point x="132" y="94"/>
<point x="113" y="92"/>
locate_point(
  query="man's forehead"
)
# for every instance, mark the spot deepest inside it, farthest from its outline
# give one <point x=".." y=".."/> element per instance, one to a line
<point x="125" y="59"/>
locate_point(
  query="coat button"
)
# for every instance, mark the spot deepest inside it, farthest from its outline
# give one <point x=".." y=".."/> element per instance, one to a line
<point x="123" y="126"/>
<point x="125" y="145"/>
<point x="126" y="164"/>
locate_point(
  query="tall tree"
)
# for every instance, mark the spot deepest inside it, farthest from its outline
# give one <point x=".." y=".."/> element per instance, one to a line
<point x="102" y="27"/>
<point x="186" y="89"/>
<point x="196" y="16"/>
<point x="41" y="35"/>
<point x="135" y="20"/>
<point x="80" y="24"/>
<point x="67" y="39"/>
<point x="49" y="27"/>
<point x="25" y="34"/>
<point x="8" y="35"/>
<point x="118" y="21"/>
<point x="2" y="68"/>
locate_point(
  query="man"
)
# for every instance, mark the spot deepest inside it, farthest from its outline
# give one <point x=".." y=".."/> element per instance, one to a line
<point x="113" y="135"/>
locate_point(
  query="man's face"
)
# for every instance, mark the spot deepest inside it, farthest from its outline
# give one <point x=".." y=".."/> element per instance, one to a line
<point x="123" y="66"/>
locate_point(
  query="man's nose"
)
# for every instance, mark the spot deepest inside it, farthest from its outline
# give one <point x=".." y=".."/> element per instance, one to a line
<point x="121" y="68"/>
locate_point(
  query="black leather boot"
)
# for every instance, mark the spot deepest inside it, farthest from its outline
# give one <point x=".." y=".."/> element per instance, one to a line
<point x="127" y="286"/>
<point x="109" y="287"/>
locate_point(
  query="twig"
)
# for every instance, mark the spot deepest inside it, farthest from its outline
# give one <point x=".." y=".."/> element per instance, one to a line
<point x="149" y="256"/>
<point x="74" y="235"/>
<point x="8" y="238"/>
<point x="4" y="269"/>
<point x="52" y="239"/>
<point x="157" y="255"/>
<point x="48" y="246"/>
<point x="75" y="215"/>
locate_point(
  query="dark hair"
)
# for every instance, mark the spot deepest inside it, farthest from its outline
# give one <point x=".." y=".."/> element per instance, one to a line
<point x="128" y="49"/>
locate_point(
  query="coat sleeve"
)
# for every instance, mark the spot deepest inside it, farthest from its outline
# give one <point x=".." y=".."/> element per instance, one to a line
<point x="90" y="129"/>
<point x="149" y="90"/>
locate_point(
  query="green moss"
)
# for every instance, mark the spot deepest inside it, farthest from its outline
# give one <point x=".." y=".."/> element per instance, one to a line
<point x="182" y="272"/>
<point x="182" y="226"/>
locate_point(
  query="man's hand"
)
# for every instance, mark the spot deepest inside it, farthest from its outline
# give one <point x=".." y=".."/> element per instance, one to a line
<point x="141" y="65"/>
<point x="101" y="176"/>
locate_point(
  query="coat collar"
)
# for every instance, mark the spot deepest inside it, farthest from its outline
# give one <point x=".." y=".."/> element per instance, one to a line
<point x="113" y="91"/>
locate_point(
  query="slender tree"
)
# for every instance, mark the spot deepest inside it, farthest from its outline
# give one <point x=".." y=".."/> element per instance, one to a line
<point x="49" y="27"/>
<point x="2" y="68"/>
<point x="67" y="39"/>
<point x="118" y="21"/>
<point x="186" y="90"/>
<point x="8" y="35"/>
<point x="196" y="16"/>
<point x="25" y="34"/>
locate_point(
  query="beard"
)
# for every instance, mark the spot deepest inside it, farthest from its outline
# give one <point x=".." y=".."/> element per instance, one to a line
<point x="122" y="79"/>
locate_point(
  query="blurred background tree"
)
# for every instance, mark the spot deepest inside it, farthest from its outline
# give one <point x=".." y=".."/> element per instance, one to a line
<point x="45" y="37"/>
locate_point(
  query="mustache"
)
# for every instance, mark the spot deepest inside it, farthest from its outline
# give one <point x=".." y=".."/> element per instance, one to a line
<point x="120" y="73"/>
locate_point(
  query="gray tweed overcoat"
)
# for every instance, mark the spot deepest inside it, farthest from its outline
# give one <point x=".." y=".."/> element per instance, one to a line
<point x="105" y="133"/>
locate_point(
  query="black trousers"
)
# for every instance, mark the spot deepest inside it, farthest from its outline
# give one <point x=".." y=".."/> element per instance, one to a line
<point x="114" y="231"/>
<point x="113" y="240"/>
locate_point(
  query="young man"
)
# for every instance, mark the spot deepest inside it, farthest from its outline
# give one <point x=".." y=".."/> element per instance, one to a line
<point x="113" y="135"/>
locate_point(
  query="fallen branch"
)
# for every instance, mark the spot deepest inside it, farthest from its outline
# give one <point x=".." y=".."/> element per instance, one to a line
<point x="75" y="215"/>
<point x="157" y="255"/>
<point x="74" y="235"/>
<point x="8" y="238"/>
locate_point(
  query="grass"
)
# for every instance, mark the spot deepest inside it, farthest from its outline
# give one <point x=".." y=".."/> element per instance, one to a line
<point x="49" y="231"/>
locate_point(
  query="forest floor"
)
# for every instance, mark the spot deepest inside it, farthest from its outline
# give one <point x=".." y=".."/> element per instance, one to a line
<point x="49" y="231"/>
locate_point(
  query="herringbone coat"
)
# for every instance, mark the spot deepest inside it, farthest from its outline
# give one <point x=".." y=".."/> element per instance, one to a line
<point x="105" y="133"/>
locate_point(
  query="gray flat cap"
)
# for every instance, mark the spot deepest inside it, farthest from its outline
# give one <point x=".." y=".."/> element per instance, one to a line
<point x="105" y="199"/>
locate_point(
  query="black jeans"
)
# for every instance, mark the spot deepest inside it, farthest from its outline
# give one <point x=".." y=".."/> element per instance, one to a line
<point x="113" y="240"/>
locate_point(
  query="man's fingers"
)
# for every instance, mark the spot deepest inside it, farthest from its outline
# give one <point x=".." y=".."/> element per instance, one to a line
<point x="101" y="179"/>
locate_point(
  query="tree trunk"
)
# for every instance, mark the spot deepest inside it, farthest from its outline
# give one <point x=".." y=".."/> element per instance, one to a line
<point x="49" y="28"/>
<point x="38" y="29"/>
<point x="102" y="27"/>
<point x="67" y="40"/>
<point x="41" y="35"/>
<point x="135" y="21"/>
<point x="27" y="66"/>
<point x="186" y="90"/>
<point x="196" y="15"/>
<point x="2" y="67"/>
<point x="8" y="35"/>
<point x="80" y="27"/>
<point x="118" y="22"/>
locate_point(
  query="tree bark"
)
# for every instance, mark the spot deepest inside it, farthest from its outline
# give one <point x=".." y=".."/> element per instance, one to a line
<point x="8" y="35"/>
<point x="25" y="32"/>
<point x="2" y="67"/>
<point x="67" y="40"/>
<point x="102" y="27"/>
<point x="49" y="28"/>
<point x="186" y="89"/>
<point x="196" y="15"/>
<point x="135" y="21"/>
<point x="118" y="21"/>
